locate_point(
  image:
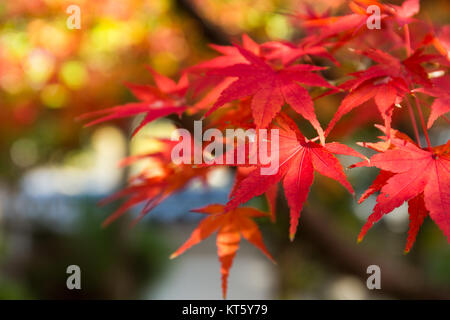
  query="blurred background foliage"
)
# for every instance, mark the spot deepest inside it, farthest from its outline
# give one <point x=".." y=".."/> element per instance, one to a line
<point x="53" y="172"/>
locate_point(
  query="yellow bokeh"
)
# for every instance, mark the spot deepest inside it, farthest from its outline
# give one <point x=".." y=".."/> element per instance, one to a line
<point x="54" y="96"/>
<point x="73" y="74"/>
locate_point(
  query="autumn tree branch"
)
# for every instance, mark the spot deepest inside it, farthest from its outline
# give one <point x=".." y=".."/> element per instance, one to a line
<point x="400" y="280"/>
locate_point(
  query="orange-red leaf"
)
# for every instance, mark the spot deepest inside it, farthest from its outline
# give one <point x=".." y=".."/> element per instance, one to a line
<point x="413" y="172"/>
<point x="230" y="226"/>
<point x="298" y="159"/>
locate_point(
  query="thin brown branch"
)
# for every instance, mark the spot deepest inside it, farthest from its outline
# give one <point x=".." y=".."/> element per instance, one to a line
<point x="211" y="31"/>
<point x="398" y="279"/>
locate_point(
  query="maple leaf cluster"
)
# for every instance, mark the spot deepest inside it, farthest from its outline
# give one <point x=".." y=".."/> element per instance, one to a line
<point x="275" y="85"/>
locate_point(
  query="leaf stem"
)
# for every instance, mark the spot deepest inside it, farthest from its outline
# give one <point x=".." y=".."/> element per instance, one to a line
<point x="407" y="40"/>
<point x="424" y="127"/>
<point x="446" y="119"/>
<point x="413" y="121"/>
<point x="419" y="109"/>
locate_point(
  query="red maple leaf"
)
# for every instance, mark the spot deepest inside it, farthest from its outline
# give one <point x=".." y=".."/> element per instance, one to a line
<point x="270" y="89"/>
<point x="411" y="174"/>
<point x="386" y="82"/>
<point x="230" y="55"/>
<point x="287" y="52"/>
<point x="441" y="105"/>
<point x="230" y="226"/>
<point x="156" y="102"/>
<point x="403" y="14"/>
<point x="270" y="194"/>
<point x="298" y="158"/>
<point x="151" y="187"/>
<point x="441" y="42"/>
<point x="234" y="116"/>
<point x="343" y="28"/>
<point x="214" y="85"/>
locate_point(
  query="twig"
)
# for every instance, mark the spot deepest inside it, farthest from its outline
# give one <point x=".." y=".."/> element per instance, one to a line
<point x="212" y="32"/>
<point x="413" y="121"/>
<point x="422" y="121"/>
